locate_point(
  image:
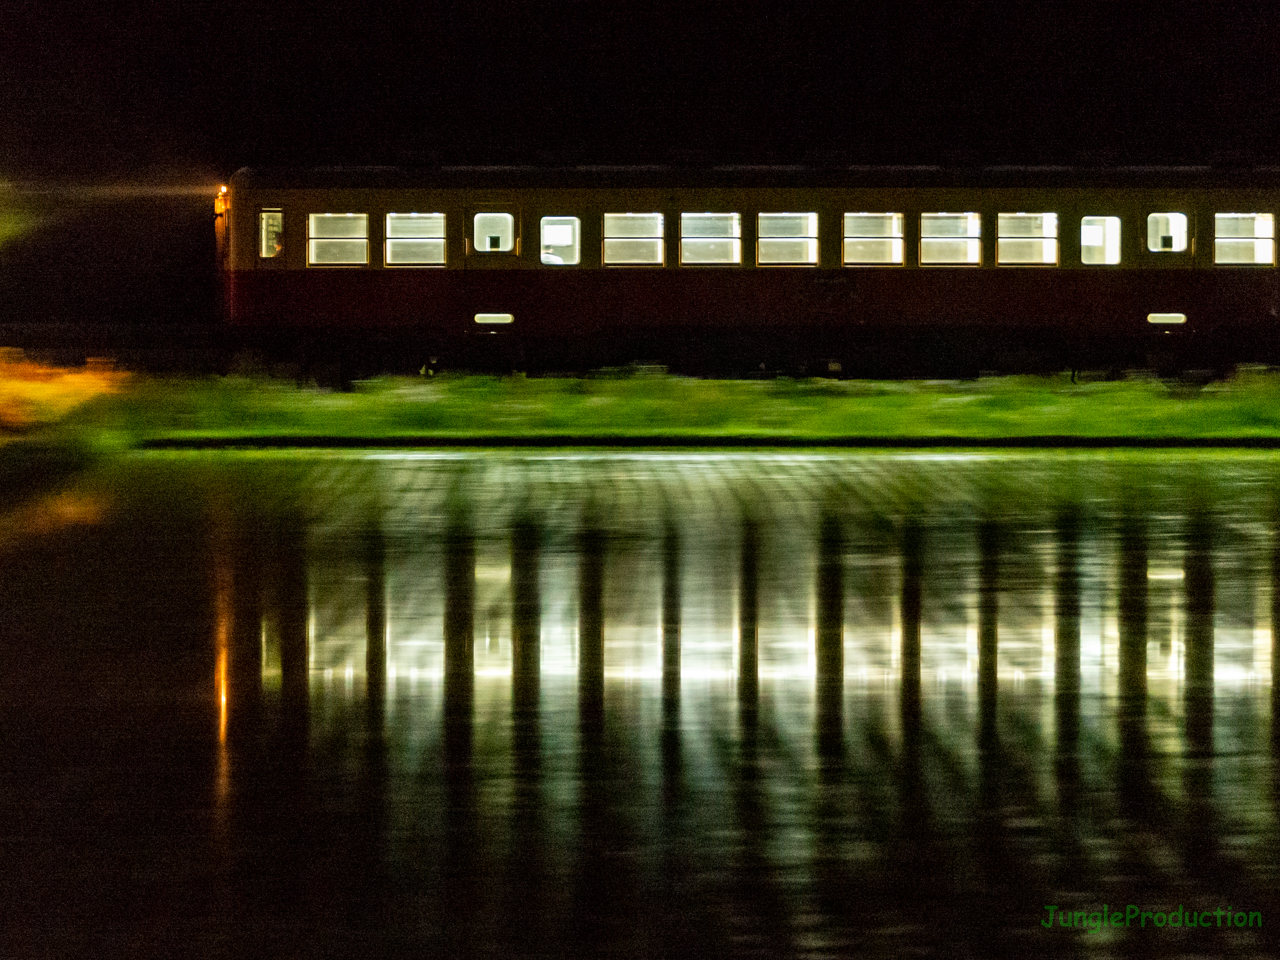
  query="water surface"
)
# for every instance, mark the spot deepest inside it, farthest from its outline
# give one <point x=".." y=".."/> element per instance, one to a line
<point x="639" y="705"/>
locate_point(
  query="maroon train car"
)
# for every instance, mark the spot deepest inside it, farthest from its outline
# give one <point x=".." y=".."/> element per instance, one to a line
<point x="858" y="269"/>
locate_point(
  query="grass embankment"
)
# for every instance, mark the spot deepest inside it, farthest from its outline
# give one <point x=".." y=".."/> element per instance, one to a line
<point x="654" y="407"/>
<point x="96" y="407"/>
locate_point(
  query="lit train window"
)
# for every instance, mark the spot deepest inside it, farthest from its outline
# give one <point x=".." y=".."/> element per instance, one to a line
<point x="873" y="238"/>
<point x="633" y="239"/>
<point x="710" y="238"/>
<point x="415" y="239"/>
<point x="1244" y="238"/>
<point x="270" y="232"/>
<point x="493" y="233"/>
<point x="1027" y="238"/>
<point x="1099" y="240"/>
<point x="337" y="239"/>
<point x="787" y="239"/>
<point x="950" y="238"/>
<point x="561" y="240"/>
<point x="1167" y="232"/>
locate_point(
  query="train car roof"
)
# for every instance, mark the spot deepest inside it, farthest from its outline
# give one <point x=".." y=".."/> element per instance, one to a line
<point x="759" y="176"/>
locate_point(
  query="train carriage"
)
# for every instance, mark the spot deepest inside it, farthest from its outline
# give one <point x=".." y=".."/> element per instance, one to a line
<point x="865" y="270"/>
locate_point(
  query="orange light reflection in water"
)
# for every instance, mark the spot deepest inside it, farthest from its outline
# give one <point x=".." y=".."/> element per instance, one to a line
<point x="222" y="609"/>
<point x="222" y="635"/>
<point x="51" y="514"/>
<point x="222" y="696"/>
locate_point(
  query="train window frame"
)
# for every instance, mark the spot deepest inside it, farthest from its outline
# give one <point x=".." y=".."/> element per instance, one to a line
<point x="851" y="242"/>
<point x="655" y="239"/>
<point x="274" y="216"/>
<point x="1111" y="234"/>
<point x="316" y="243"/>
<point x="546" y="249"/>
<point x="1259" y="241"/>
<point x="504" y="218"/>
<point x="767" y="238"/>
<point x="425" y="232"/>
<point x="1016" y="231"/>
<point x="971" y="238"/>
<point x="1180" y="229"/>
<point x="712" y="233"/>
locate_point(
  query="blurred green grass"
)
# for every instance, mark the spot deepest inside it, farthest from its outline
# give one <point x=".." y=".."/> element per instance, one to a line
<point x="658" y="405"/>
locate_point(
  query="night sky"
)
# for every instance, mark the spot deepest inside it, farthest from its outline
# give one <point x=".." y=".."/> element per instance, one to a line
<point x="139" y="86"/>
<point x="172" y="96"/>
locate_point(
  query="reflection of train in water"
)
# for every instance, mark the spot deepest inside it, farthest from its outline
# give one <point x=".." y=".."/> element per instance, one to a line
<point x="884" y="268"/>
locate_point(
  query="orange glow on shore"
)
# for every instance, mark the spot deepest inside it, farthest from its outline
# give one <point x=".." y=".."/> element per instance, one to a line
<point x="32" y="394"/>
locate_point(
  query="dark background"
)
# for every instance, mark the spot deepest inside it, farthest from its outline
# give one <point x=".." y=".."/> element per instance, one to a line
<point x="202" y="87"/>
<point x="171" y="98"/>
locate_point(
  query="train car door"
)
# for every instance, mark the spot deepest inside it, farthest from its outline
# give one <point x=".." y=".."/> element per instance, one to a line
<point x="494" y="240"/>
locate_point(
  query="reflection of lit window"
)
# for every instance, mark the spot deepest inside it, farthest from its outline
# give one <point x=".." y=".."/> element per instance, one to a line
<point x="1027" y="238"/>
<point x="560" y="240"/>
<point x="415" y="238"/>
<point x="1167" y="232"/>
<point x="787" y="239"/>
<point x="633" y="239"/>
<point x="710" y="238"/>
<point x="1244" y="238"/>
<point x="270" y="233"/>
<point x="1099" y="240"/>
<point x="494" y="233"/>
<point x="338" y="238"/>
<point x="873" y="238"/>
<point x="950" y="238"/>
<point x="272" y="671"/>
